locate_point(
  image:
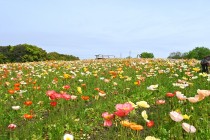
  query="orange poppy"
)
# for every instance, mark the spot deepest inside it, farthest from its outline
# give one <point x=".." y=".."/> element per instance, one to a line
<point x="28" y="103"/>
<point x="137" y="127"/>
<point x="28" y="116"/>
<point x="37" y="87"/>
<point x="113" y="73"/>
<point x="85" y="98"/>
<point x="83" y="85"/>
<point x="17" y="88"/>
<point x="126" y="123"/>
<point x="138" y="82"/>
<point x="11" y="91"/>
<point x="17" y="84"/>
<point x="97" y="89"/>
<point x="102" y="92"/>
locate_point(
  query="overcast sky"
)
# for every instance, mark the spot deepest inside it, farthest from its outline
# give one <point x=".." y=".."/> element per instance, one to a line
<point x="84" y="28"/>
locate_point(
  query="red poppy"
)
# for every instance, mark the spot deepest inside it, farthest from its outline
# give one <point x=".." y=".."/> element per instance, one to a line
<point x="53" y="103"/>
<point x="150" y="124"/>
<point x="169" y="94"/>
<point x="66" y="87"/>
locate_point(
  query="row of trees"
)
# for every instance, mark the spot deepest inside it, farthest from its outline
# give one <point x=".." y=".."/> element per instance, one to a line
<point x="29" y="53"/>
<point x="196" y="53"/>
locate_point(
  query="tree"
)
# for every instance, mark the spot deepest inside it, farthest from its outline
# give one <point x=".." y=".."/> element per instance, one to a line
<point x="5" y="54"/>
<point x="175" y="55"/>
<point x="184" y="55"/>
<point x="146" y="55"/>
<point x="198" y="53"/>
<point x="52" y="56"/>
<point x="27" y="53"/>
<point x="57" y="56"/>
<point x="2" y="57"/>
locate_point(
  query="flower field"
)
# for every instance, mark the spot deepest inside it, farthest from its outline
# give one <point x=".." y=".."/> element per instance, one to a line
<point x="113" y="99"/>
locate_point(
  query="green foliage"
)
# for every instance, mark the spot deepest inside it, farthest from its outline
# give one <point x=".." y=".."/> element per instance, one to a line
<point x="198" y="53"/>
<point x="29" y="53"/>
<point x="5" y="54"/>
<point x="2" y="58"/>
<point x="146" y="55"/>
<point x="57" y="56"/>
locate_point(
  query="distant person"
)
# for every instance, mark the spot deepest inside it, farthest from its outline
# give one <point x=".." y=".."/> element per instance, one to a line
<point x="204" y="65"/>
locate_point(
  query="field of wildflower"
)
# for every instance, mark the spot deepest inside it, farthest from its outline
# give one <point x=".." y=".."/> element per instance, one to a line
<point x="112" y="99"/>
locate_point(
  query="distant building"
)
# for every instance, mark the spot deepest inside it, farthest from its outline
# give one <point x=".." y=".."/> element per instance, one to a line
<point x="101" y="56"/>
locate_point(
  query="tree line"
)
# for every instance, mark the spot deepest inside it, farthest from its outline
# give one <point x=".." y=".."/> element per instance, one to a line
<point x="197" y="53"/>
<point x="30" y="53"/>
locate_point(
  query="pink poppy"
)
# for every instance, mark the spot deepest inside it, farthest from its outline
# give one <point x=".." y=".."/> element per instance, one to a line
<point x="160" y="102"/>
<point x="53" y="95"/>
<point x="107" y="118"/>
<point x="12" y="126"/>
<point x="180" y="96"/>
<point x="188" y="128"/>
<point x="204" y="93"/>
<point x="66" y="96"/>
<point x="193" y="99"/>
<point x="50" y="92"/>
<point x="175" y="116"/>
<point x="123" y="109"/>
<point x="107" y="122"/>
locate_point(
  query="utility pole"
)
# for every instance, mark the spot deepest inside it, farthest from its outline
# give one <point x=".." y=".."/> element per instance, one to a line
<point x="129" y="54"/>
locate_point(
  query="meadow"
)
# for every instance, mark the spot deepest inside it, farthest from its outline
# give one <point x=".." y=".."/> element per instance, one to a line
<point x="110" y="99"/>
